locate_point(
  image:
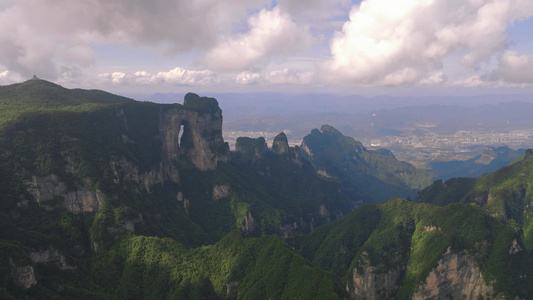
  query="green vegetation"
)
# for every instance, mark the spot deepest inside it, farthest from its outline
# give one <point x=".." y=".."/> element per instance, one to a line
<point x="505" y="194"/>
<point x="439" y="194"/>
<point x="162" y="234"/>
<point x="40" y="95"/>
<point x="401" y="235"/>
<point x="235" y="267"/>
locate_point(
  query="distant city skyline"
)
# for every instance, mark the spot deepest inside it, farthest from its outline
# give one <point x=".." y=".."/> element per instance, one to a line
<point x="368" y="47"/>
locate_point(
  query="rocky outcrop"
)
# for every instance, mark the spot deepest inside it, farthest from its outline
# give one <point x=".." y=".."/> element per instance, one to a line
<point x="45" y="188"/>
<point x="221" y="191"/>
<point x="455" y="277"/>
<point x="280" y="145"/>
<point x="373" y="282"/>
<point x="50" y="256"/>
<point x="194" y="130"/>
<point x="22" y="276"/>
<point x="248" y="224"/>
<point x="250" y="148"/>
<point x="129" y="225"/>
<point x="125" y="172"/>
<point x="515" y="247"/>
<point x="231" y="287"/>
<point x="83" y="198"/>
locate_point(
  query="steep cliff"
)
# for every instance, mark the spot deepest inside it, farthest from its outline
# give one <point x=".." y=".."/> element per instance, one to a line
<point x="455" y="277"/>
<point x="121" y="199"/>
<point x="369" y="282"/>
<point x="404" y="250"/>
<point x="194" y="130"/>
<point x="76" y="166"/>
<point x="304" y="199"/>
<point x="280" y="145"/>
<point x="378" y="175"/>
<point x="505" y="194"/>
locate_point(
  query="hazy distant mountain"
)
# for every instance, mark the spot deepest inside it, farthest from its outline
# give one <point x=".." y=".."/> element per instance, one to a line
<point x="442" y="119"/>
<point x="239" y="106"/>
<point x="490" y="160"/>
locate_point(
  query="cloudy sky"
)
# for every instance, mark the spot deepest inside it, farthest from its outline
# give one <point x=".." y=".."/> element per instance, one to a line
<point x="335" y="46"/>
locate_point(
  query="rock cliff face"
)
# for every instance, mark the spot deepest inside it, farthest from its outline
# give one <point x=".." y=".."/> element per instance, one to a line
<point x="455" y="277"/>
<point x="50" y="256"/>
<point x="195" y="131"/>
<point x="281" y="144"/>
<point x="83" y="198"/>
<point x="372" y="175"/>
<point x="248" y="225"/>
<point x="250" y="148"/>
<point x="125" y="172"/>
<point x="22" y="276"/>
<point x="373" y="282"/>
<point x="192" y="130"/>
<point x="221" y="191"/>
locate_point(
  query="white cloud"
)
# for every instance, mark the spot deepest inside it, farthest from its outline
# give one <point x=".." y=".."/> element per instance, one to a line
<point x="187" y="77"/>
<point x="390" y="42"/>
<point x="514" y="68"/>
<point x="248" y="77"/>
<point x="7" y="77"/>
<point x="114" y="77"/>
<point x="433" y="78"/>
<point x="43" y="36"/>
<point x="281" y="76"/>
<point x="385" y="42"/>
<point x="472" y="81"/>
<point x="271" y="33"/>
<point x="286" y="76"/>
<point x="176" y="76"/>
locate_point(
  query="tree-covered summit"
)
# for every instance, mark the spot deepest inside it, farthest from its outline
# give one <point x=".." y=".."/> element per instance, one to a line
<point x="505" y="194"/>
<point x="38" y="94"/>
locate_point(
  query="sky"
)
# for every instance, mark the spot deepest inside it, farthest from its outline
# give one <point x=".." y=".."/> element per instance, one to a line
<point x="369" y="47"/>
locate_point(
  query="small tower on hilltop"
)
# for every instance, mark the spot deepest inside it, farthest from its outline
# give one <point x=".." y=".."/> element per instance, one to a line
<point x="35" y="77"/>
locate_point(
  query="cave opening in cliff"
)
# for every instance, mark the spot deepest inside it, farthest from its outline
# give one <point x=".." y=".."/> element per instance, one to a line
<point x="180" y="134"/>
<point x="185" y="140"/>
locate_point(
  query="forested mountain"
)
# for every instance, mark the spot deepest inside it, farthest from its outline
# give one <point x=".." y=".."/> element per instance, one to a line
<point x="103" y="197"/>
<point x="377" y="173"/>
<point x="505" y="194"/>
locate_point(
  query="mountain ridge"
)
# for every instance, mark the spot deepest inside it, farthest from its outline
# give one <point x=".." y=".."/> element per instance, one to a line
<point x="111" y="201"/>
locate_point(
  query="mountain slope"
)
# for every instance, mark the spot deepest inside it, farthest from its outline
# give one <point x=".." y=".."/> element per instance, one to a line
<point x="130" y="200"/>
<point x="506" y="194"/>
<point x="38" y="95"/>
<point x="79" y="181"/>
<point x="378" y="174"/>
<point x="405" y="250"/>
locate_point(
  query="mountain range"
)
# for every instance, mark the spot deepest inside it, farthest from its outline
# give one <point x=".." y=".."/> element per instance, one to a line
<point x="104" y="197"/>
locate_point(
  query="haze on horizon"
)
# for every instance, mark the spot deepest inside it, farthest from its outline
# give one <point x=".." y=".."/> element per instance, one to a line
<point x="369" y="47"/>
